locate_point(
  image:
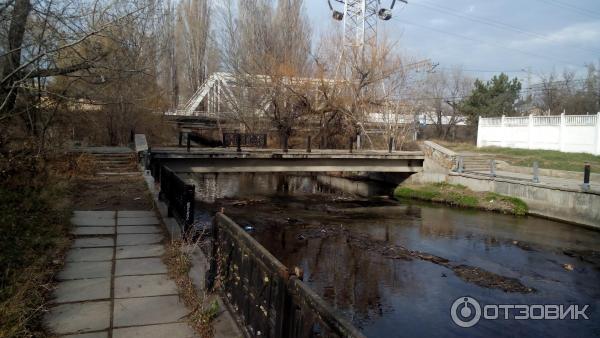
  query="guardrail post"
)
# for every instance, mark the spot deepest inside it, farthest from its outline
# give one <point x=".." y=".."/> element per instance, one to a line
<point x="238" y="142"/>
<point x="586" y="177"/>
<point x="493" y="167"/>
<point x="189" y="143"/>
<point x="536" y="172"/>
<point x="308" y="142"/>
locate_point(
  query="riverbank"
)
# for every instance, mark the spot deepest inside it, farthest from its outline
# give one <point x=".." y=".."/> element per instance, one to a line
<point x="460" y="196"/>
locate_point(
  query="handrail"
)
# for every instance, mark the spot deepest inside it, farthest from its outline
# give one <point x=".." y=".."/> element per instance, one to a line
<point x="268" y="300"/>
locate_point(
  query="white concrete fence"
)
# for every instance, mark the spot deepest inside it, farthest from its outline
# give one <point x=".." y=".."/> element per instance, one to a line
<point x="568" y="133"/>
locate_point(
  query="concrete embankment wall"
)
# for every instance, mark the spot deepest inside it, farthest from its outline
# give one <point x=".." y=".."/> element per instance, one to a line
<point x="557" y="203"/>
<point x="563" y="204"/>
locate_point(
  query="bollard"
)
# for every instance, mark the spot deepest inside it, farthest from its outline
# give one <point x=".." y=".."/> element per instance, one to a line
<point x="536" y="172"/>
<point x="391" y="144"/>
<point x="285" y="144"/>
<point x="350" y="144"/>
<point x="461" y="165"/>
<point x="358" y="141"/>
<point x="586" y="177"/>
<point x="189" y="144"/>
<point x="493" y="168"/>
<point x="308" y="141"/>
<point x="180" y="138"/>
<point x="238" y="142"/>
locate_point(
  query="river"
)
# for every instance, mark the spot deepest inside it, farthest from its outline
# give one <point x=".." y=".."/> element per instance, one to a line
<point x="370" y="256"/>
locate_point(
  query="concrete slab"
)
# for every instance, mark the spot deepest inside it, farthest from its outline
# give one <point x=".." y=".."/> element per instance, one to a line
<point x="89" y="230"/>
<point x="93" y="242"/>
<point x="148" y="310"/>
<point x="136" y="213"/>
<point x="78" y="317"/>
<point x="144" y="286"/>
<point x="82" y="270"/>
<point x="89" y="255"/>
<point x="138" y="239"/>
<point x="86" y="221"/>
<point x="174" y="330"/>
<point x="138" y="229"/>
<point x="102" y="334"/>
<point x="139" y="266"/>
<point x="80" y="290"/>
<point x="95" y="214"/>
<point x="137" y="221"/>
<point x="139" y="251"/>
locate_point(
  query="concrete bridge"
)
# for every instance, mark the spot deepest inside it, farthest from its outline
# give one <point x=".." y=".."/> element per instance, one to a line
<point x="224" y="160"/>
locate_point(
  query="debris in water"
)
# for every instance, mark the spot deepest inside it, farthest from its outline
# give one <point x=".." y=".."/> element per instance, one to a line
<point x="568" y="267"/>
<point x="249" y="228"/>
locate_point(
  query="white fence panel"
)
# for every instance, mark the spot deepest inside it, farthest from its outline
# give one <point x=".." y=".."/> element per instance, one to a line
<point x="568" y="133"/>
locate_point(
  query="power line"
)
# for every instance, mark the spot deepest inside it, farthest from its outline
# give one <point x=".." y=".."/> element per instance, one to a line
<point x="496" y="24"/>
<point x="581" y="11"/>
<point x="484" y="42"/>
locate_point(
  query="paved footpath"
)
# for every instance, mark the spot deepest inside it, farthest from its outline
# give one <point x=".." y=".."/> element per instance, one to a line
<point x="114" y="283"/>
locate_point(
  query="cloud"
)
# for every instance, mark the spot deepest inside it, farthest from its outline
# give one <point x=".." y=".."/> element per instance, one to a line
<point x="579" y="33"/>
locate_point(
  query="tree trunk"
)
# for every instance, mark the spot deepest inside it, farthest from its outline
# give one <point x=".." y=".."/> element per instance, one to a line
<point x="12" y="61"/>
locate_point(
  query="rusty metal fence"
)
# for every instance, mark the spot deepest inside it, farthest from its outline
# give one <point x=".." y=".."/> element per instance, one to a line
<point x="267" y="298"/>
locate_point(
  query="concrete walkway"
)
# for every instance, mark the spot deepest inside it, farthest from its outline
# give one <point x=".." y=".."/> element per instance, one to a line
<point x="114" y="283"/>
<point x="545" y="180"/>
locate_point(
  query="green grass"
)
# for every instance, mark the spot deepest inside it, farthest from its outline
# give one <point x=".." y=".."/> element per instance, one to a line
<point x="549" y="159"/>
<point x="461" y="196"/>
<point x="33" y="234"/>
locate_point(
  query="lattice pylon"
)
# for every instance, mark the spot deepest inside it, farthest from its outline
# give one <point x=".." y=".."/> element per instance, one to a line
<point x="360" y="24"/>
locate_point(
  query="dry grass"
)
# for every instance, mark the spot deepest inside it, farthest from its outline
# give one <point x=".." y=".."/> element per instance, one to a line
<point x="34" y="226"/>
<point x="177" y="257"/>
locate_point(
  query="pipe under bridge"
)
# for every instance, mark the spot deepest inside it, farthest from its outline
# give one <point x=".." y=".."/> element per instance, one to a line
<point x="222" y="160"/>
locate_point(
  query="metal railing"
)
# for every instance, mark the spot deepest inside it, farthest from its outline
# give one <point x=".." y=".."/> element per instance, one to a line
<point x="267" y="298"/>
<point x="178" y="195"/>
<point x="245" y="140"/>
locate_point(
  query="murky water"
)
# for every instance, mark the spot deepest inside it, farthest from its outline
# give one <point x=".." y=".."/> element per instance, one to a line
<point x="300" y="218"/>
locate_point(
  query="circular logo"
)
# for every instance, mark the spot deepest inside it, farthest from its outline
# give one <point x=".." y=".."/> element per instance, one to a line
<point x="465" y="312"/>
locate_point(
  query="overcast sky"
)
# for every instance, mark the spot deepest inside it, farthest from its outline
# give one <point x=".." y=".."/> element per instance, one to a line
<point x="487" y="37"/>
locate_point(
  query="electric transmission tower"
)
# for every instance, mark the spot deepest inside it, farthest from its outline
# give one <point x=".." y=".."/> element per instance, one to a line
<point x="360" y="21"/>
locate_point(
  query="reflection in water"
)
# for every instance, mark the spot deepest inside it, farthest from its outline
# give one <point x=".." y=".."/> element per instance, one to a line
<point x="297" y="218"/>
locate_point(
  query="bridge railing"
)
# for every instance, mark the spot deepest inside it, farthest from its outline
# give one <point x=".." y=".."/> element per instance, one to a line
<point x="267" y="298"/>
<point x="246" y="140"/>
<point x="178" y="195"/>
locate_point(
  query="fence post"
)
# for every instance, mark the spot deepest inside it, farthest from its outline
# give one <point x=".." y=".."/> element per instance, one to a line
<point x="536" y="172"/>
<point x="308" y="141"/>
<point x="530" y="132"/>
<point x="188" y="200"/>
<point x="586" y="177"/>
<point x="391" y="144"/>
<point x="238" y="142"/>
<point x="479" y="137"/>
<point x="598" y="134"/>
<point x="350" y="144"/>
<point x="561" y="134"/>
<point x="502" y="127"/>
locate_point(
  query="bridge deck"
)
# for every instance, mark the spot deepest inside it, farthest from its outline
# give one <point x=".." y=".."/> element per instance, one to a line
<point x="228" y="160"/>
<point x="181" y="152"/>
